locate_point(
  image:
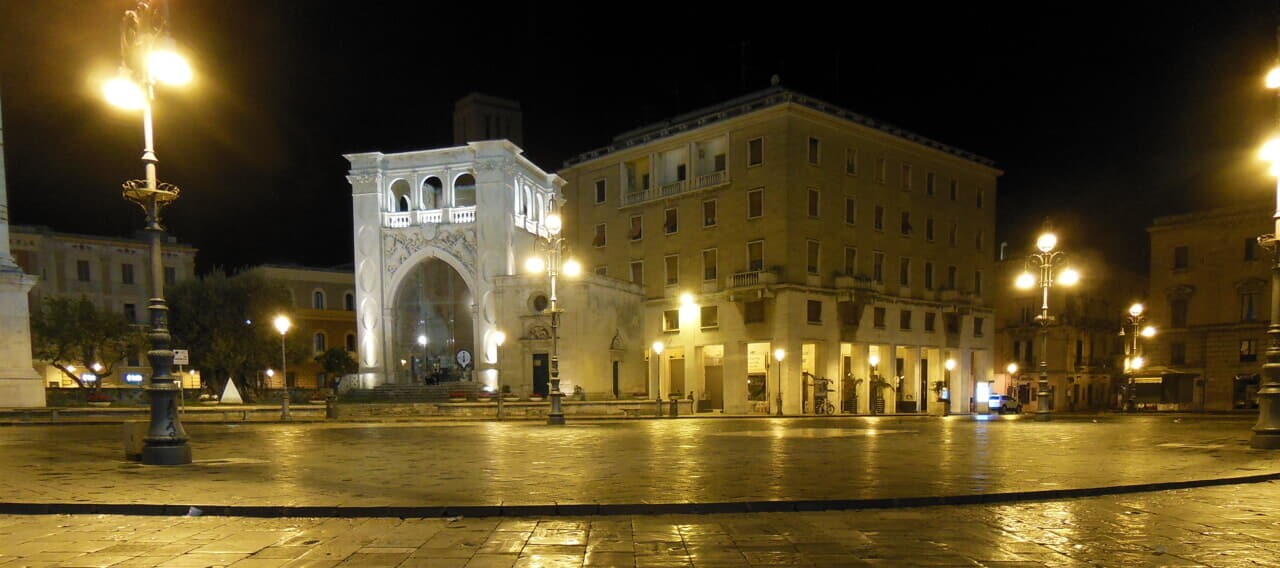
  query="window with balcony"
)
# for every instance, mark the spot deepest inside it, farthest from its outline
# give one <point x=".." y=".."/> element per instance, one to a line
<point x="82" y="270"/>
<point x="637" y="272"/>
<point x="755" y="152"/>
<point x="877" y="267"/>
<point x="710" y="264"/>
<point x="1181" y="258"/>
<point x="813" y="311"/>
<point x="813" y="202"/>
<point x="671" y="269"/>
<point x="670" y="221"/>
<point x="600" y="193"/>
<point x="1248" y="350"/>
<point x="812" y="250"/>
<point x="637" y="228"/>
<point x="599" y="237"/>
<point x="755" y="255"/>
<point x="878" y="317"/>
<point x="126" y="273"/>
<point x="904" y="320"/>
<point x="710" y="316"/>
<point x="815" y="151"/>
<point x="709" y="213"/>
<point x="755" y="203"/>
<point x="850" y="261"/>
<point x="671" y="320"/>
<point x="906" y="177"/>
<point x="851" y="161"/>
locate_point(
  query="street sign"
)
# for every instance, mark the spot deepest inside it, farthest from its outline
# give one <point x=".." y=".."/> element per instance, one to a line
<point x="181" y="357"/>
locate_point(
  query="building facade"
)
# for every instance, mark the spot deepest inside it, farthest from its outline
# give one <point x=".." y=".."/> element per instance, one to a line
<point x="778" y="222"/>
<point x="324" y="312"/>
<point x="1210" y="295"/>
<point x="113" y="273"/>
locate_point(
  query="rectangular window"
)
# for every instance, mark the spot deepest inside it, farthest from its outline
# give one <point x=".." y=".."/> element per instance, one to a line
<point x="906" y="223"/>
<point x="1178" y="353"/>
<point x="931" y="184"/>
<point x="879" y="218"/>
<point x="1178" y="312"/>
<point x="710" y="264"/>
<point x="170" y="276"/>
<point x="953" y="234"/>
<point x="851" y="161"/>
<point x="904" y="319"/>
<point x="1181" y="257"/>
<point x="718" y="163"/>
<point x="671" y="269"/>
<point x="978" y="324"/>
<point x="710" y="317"/>
<point x="928" y="275"/>
<point x="814" y="150"/>
<point x="813" y="311"/>
<point x="755" y="255"/>
<point x="812" y="250"/>
<point x="978" y="197"/>
<point x="955" y="190"/>
<point x="1249" y="306"/>
<point x="82" y="270"/>
<point x="600" y="191"/>
<point x="1248" y="350"/>
<point x="670" y="221"/>
<point x="877" y="317"/>
<point x="850" y="210"/>
<point x="131" y="313"/>
<point x="709" y="213"/>
<point x="813" y="202"/>
<point x="637" y="272"/>
<point x="979" y="239"/>
<point x="598" y="240"/>
<point x="681" y="172"/>
<point x="1251" y="249"/>
<point x="755" y="203"/>
<point x="906" y="177"/>
<point x="671" y="320"/>
<point x="930" y="321"/>
<point x="126" y="273"/>
<point x="753" y="311"/>
<point x="755" y="152"/>
<point x="928" y="229"/>
<point x="850" y="261"/>
<point x="602" y="270"/>
<point x="877" y="266"/>
<point x="951" y="278"/>
<point x="881" y="166"/>
<point x="904" y="271"/>
<point x="977" y="282"/>
<point x="637" y="228"/>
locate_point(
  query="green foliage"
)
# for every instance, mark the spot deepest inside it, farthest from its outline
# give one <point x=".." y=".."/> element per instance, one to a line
<point x="226" y="324"/>
<point x="70" y="332"/>
<point x="337" y="362"/>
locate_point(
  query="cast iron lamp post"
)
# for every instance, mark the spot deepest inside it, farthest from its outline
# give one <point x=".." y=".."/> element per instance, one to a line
<point x="1266" y="432"/>
<point x="498" y="339"/>
<point x="1049" y="262"/>
<point x="148" y="57"/>
<point x="778" y="354"/>
<point x="552" y="266"/>
<point x="1133" y="359"/>
<point x="948" y="366"/>
<point x="283" y="324"/>
<point x="874" y="387"/>
<point x="657" y="376"/>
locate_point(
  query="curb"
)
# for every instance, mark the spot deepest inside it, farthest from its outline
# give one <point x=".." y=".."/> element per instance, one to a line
<point x="586" y="509"/>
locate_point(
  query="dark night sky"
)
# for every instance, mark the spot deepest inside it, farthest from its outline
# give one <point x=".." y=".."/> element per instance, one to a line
<point x="1102" y="116"/>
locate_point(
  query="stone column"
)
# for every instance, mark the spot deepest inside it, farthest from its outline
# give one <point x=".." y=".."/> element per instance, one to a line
<point x="20" y="385"/>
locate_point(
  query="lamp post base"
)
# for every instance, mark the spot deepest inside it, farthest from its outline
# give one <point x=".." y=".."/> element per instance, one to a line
<point x="556" y="416"/>
<point x="177" y="454"/>
<point x="1266" y="433"/>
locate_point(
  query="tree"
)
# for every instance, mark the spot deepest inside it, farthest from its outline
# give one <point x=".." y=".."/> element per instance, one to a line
<point x="226" y="324"/>
<point x="336" y="362"/>
<point x="67" y="332"/>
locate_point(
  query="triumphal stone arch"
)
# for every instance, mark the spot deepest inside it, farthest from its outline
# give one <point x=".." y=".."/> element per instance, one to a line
<point x="440" y="236"/>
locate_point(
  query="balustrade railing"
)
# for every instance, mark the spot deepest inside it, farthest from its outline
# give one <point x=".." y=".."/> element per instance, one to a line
<point x="455" y="215"/>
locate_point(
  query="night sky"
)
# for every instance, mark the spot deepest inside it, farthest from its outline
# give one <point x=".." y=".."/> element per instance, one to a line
<point x="1101" y="116"/>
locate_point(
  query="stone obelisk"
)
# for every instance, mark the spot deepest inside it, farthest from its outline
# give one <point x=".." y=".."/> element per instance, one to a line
<point x="20" y="385"/>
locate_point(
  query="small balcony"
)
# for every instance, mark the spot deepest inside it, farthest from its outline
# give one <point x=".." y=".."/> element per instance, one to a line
<point x="752" y="278"/>
<point x="678" y="187"/>
<point x="403" y="219"/>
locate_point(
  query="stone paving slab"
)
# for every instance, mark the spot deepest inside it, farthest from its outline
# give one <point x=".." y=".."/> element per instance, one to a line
<point x="622" y="467"/>
<point x="1226" y="526"/>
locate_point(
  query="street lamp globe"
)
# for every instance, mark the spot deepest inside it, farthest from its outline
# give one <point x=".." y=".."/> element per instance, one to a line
<point x="1136" y="309"/>
<point x="535" y="265"/>
<point x="1046" y="242"/>
<point x="422" y="340"/>
<point x="779" y="353"/>
<point x="950" y="364"/>
<point x="167" y="65"/>
<point x="1137" y="363"/>
<point x="1149" y="331"/>
<point x="874" y="360"/>
<point x="657" y="347"/>
<point x="572" y="268"/>
<point x="1273" y="78"/>
<point x="1025" y="281"/>
<point x="1012" y="368"/>
<point x="282" y="324"/>
<point x="122" y="92"/>
<point x="554" y="223"/>
<point x="1069" y="277"/>
<point x="499" y="338"/>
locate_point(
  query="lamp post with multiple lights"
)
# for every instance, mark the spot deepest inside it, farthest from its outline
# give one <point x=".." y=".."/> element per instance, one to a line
<point x="1133" y="359"/>
<point x="552" y="267"/>
<point x="1050" y="263"/>
<point x="1266" y="432"/>
<point x="283" y="324"/>
<point x="148" y="57"/>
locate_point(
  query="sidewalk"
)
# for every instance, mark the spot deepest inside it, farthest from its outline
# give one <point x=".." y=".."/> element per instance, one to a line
<point x="622" y="466"/>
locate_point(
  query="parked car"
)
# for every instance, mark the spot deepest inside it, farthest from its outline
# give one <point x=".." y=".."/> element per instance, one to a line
<point x="1004" y="404"/>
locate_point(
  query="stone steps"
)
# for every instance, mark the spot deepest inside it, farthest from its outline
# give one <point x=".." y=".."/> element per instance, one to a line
<point x="415" y="392"/>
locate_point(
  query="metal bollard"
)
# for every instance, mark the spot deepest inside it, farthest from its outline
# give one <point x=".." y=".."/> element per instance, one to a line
<point x="675" y="406"/>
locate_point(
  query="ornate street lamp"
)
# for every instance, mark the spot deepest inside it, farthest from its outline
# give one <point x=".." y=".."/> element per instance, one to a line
<point x="778" y="354"/>
<point x="498" y="339"/>
<point x="553" y="267"/>
<point x="1050" y="264"/>
<point x="874" y="387"/>
<point x="948" y="365"/>
<point x="1133" y="359"/>
<point x="147" y="58"/>
<point x="1266" y="432"/>
<point x="657" y="377"/>
<point x="283" y="324"/>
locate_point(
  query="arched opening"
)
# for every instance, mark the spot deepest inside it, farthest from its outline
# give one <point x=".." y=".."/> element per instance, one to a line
<point x="317" y="300"/>
<point x="434" y="331"/>
<point x="464" y="191"/>
<point x="524" y="203"/>
<point x="400" y="199"/>
<point x="349" y="302"/>
<point x="432" y="193"/>
<point x="318" y="341"/>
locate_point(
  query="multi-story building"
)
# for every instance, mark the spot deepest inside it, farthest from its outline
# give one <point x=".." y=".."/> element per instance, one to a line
<point x="1210" y="284"/>
<point x="1084" y="348"/>
<point x="112" y="272"/>
<point x="324" y="312"/>
<point x="776" y="221"/>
